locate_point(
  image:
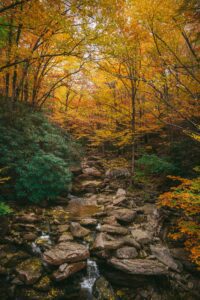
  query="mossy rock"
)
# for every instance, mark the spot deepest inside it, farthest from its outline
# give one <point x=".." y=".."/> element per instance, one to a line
<point x="30" y="270"/>
<point x="31" y="294"/>
<point x="44" y="284"/>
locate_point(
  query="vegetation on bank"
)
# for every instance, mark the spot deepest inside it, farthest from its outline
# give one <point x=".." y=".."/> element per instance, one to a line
<point x="37" y="155"/>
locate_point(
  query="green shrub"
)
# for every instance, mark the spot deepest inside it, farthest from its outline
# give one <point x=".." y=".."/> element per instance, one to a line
<point x="45" y="176"/>
<point x="4" y="209"/>
<point x="152" y="164"/>
<point x="38" y="155"/>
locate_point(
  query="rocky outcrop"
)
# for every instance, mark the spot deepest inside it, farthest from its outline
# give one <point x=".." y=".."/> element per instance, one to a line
<point x="119" y="230"/>
<point x="78" y="231"/>
<point x="163" y="255"/>
<point x="141" y="236"/>
<point x="102" y="290"/>
<point x="124" y="215"/>
<point x="65" y="252"/>
<point x="29" y="271"/>
<point x="139" y="266"/>
<point x="66" y="270"/>
<point x="126" y="252"/>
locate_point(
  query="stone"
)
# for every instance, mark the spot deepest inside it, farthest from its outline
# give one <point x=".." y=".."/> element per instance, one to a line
<point x="139" y="266"/>
<point x="29" y="237"/>
<point x="65" y="237"/>
<point x="63" y="228"/>
<point x="29" y="271"/>
<point x="126" y="252"/>
<point x="128" y="240"/>
<point x="111" y="220"/>
<point x="102" y="290"/>
<point x="66" y="270"/>
<point x="92" y="171"/>
<point x="117" y="173"/>
<point x="124" y="215"/>
<point x="162" y="254"/>
<point x="44" y="284"/>
<point x="105" y="242"/>
<point x="88" y="222"/>
<point x="141" y="236"/>
<point x="120" y="192"/>
<point x="28" y="218"/>
<point x="65" y="252"/>
<point x="119" y="230"/>
<point x="78" y="231"/>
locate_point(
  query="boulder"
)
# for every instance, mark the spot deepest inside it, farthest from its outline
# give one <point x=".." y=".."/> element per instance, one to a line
<point x="124" y="215"/>
<point x="105" y="242"/>
<point x="29" y="271"/>
<point x="88" y="222"/>
<point x="128" y="240"/>
<point x="28" y="218"/>
<point x="162" y="254"/>
<point x="117" y="173"/>
<point x="114" y="229"/>
<point x="65" y="252"/>
<point x="65" y="237"/>
<point x="67" y="270"/>
<point x="139" y="266"/>
<point x="63" y="228"/>
<point x="141" y="236"/>
<point x="102" y="290"/>
<point x="92" y="171"/>
<point x="126" y="252"/>
<point x="78" y="231"/>
<point x="29" y="237"/>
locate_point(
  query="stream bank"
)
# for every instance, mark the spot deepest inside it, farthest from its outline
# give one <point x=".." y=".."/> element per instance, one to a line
<point x="103" y="242"/>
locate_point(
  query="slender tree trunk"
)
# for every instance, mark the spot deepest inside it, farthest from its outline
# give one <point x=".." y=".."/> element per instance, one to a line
<point x="133" y="118"/>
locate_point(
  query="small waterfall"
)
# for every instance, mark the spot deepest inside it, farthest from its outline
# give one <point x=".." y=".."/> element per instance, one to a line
<point x="42" y="240"/>
<point x="88" y="281"/>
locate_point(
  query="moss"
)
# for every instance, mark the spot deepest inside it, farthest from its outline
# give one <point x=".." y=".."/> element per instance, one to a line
<point x="44" y="284"/>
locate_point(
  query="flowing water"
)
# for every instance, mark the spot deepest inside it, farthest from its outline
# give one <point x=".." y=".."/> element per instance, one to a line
<point x="88" y="282"/>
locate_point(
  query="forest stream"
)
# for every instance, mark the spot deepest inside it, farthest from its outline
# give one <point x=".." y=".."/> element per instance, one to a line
<point x="105" y="243"/>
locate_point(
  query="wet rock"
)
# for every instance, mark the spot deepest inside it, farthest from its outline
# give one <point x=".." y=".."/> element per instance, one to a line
<point x="139" y="266"/>
<point x="30" y="270"/>
<point x="67" y="270"/>
<point x="163" y="255"/>
<point x="102" y="290"/>
<point x="65" y="237"/>
<point x="126" y="252"/>
<point x="10" y="259"/>
<point x="65" y="252"/>
<point x="141" y="236"/>
<point x="114" y="229"/>
<point x="124" y="215"/>
<point x="105" y="242"/>
<point x="78" y="231"/>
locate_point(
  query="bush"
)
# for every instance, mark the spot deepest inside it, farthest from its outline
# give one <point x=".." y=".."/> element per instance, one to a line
<point x="185" y="199"/>
<point x="45" y="176"/>
<point x="4" y="209"/>
<point x="37" y="153"/>
<point x="152" y="164"/>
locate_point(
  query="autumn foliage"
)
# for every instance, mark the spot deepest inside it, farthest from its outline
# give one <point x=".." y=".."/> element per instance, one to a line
<point x="185" y="199"/>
